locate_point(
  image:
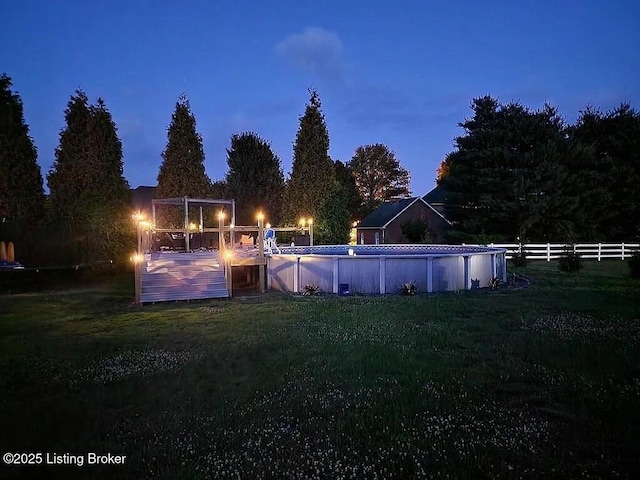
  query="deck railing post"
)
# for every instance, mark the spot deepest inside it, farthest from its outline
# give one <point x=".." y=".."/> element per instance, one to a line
<point x="186" y="224"/>
<point x="622" y="250"/>
<point x="138" y="280"/>
<point x="599" y="251"/>
<point x="548" y="252"/>
<point x="261" y="267"/>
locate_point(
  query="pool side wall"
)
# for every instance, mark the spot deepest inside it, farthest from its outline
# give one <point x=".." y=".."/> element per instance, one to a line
<point x="384" y="274"/>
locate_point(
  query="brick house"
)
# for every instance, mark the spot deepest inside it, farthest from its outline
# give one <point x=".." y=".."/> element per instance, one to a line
<point x="384" y="225"/>
<point x="438" y="199"/>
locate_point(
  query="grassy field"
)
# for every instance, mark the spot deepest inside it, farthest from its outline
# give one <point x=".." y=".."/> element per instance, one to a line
<point x="538" y="383"/>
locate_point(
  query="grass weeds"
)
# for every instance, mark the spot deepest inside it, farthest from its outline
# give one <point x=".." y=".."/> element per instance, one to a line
<point x="538" y="383"/>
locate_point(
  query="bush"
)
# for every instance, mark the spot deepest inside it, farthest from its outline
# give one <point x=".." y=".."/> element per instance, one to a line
<point x="634" y="264"/>
<point x="311" y="290"/>
<point x="409" y="288"/>
<point x="416" y="231"/>
<point x="570" y="261"/>
<point x="520" y="259"/>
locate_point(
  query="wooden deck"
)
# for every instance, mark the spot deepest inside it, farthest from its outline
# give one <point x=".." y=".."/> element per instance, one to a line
<point x="169" y="276"/>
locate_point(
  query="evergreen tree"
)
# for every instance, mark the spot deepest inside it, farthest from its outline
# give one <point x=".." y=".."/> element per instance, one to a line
<point x="21" y="191"/>
<point x="182" y="170"/>
<point x="312" y="175"/>
<point x="613" y="181"/>
<point x="254" y="179"/>
<point x="89" y="201"/>
<point x="110" y="221"/>
<point x="378" y="175"/>
<point x="219" y="190"/>
<point x="333" y="224"/>
<point x="512" y="175"/>
<point x="69" y="179"/>
<point x="347" y="182"/>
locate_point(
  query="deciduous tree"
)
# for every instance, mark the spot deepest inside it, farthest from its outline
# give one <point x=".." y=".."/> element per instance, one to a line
<point x="378" y="175"/>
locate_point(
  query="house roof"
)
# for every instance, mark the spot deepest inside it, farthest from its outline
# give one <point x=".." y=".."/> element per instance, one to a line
<point x="386" y="212"/>
<point x="436" y="196"/>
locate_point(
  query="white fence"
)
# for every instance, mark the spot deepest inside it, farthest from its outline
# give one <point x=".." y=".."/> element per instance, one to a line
<point x="552" y="251"/>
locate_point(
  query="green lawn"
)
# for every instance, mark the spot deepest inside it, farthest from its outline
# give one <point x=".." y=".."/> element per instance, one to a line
<point x="542" y="382"/>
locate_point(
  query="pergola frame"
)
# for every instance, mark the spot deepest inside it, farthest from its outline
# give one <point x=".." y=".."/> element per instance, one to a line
<point x="193" y="202"/>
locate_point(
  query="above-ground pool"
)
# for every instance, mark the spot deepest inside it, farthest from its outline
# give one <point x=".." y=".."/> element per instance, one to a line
<point x="383" y="269"/>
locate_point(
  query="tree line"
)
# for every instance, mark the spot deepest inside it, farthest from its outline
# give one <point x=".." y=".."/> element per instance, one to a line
<point x="515" y="173"/>
<point x="518" y="174"/>
<point x="86" y="216"/>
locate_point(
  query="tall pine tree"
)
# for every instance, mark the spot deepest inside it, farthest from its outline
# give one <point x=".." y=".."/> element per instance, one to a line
<point x="89" y="201"/>
<point x="614" y="170"/>
<point x="512" y="175"/>
<point x="254" y="179"/>
<point x="21" y="193"/>
<point x="182" y="170"/>
<point x="69" y="179"/>
<point x="312" y="175"/>
<point x="110" y="215"/>
<point x="347" y="182"/>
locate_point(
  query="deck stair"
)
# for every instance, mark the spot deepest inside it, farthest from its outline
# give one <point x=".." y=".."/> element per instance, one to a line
<point x="167" y="276"/>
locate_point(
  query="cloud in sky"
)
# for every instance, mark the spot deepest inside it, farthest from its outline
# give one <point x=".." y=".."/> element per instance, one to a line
<point x="316" y="51"/>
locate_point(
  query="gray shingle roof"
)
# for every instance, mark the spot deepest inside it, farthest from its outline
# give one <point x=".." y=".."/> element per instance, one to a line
<point x="437" y="195"/>
<point x="385" y="212"/>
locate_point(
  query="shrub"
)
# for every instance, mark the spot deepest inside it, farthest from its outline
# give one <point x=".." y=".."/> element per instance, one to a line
<point x="311" y="290"/>
<point x="570" y="261"/>
<point x="520" y="259"/>
<point x="634" y="264"/>
<point x="495" y="282"/>
<point x="409" y="288"/>
<point x="416" y="231"/>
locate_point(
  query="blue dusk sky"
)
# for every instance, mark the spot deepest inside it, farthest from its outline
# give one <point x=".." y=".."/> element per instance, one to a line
<point x="397" y="72"/>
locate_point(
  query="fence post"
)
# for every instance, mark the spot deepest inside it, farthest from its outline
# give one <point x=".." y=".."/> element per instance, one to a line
<point x="335" y="275"/>
<point x="429" y="274"/>
<point x="548" y="252"/>
<point x="622" y="250"/>
<point x="599" y="251"/>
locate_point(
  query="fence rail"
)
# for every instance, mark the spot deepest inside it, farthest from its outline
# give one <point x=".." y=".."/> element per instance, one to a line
<point x="553" y="251"/>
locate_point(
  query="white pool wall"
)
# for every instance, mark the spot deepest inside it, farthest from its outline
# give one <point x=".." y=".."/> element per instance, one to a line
<point x="448" y="268"/>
